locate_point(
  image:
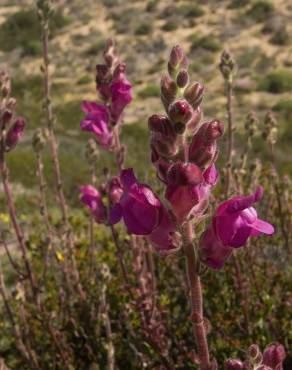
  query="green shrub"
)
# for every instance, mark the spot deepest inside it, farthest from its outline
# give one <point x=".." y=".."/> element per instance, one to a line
<point x="149" y="91"/>
<point x="208" y="42"/>
<point x="151" y="6"/>
<point x="143" y="29"/>
<point x="277" y="82"/>
<point x="191" y="10"/>
<point x="234" y="4"/>
<point x="261" y="10"/>
<point x="110" y="3"/>
<point x="169" y="25"/>
<point x="22" y="29"/>
<point x="281" y="37"/>
<point x="285" y="108"/>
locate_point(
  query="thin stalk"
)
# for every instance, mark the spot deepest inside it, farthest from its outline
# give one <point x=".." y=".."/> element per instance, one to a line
<point x="196" y="299"/>
<point x="230" y="135"/>
<point x="108" y="330"/>
<point x="54" y="153"/>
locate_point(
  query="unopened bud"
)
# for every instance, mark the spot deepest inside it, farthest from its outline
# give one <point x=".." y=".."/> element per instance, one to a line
<point x="203" y="147"/>
<point x="15" y="133"/>
<point x="160" y="164"/>
<point x="251" y="124"/>
<point x="168" y="90"/>
<point x="177" y="58"/>
<point x="194" y="94"/>
<point x="184" y="174"/>
<point x="91" y="151"/>
<point x="6" y="117"/>
<point x="227" y="65"/>
<point x="159" y="123"/>
<point x="193" y="124"/>
<point x="180" y="112"/>
<point x="274" y="355"/>
<point x="39" y="140"/>
<point x="115" y="190"/>
<point x="234" y="364"/>
<point x="182" y="78"/>
<point x="254" y="354"/>
<point x="163" y="145"/>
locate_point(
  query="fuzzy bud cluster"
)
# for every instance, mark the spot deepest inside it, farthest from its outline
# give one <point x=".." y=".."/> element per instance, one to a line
<point x="115" y="92"/>
<point x="183" y="150"/>
<point x="91" y="152"/>
<point x="227" y="66"/>
<point x="270" y="130"/>
<point x="12" y="127"/>
<point x="39" y="140"/>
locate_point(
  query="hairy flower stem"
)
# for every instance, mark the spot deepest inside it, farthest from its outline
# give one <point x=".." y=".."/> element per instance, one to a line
<point x="230" y="135"/>
<point x="54" y="153"/>
<point x="196" y="299"/>
<point x="108" y="330"/>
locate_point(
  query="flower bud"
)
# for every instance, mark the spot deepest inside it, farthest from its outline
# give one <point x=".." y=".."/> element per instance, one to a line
<point x="180" y="112"/>
<point x="184" y="174"/>
<point x="182" y="78"/>
<point x="159" y="123"/>
<point x="115" y="190"/>
<point x="160" y="164"/>
<point x="15" y="133"/>
<point x="227" y="65"/>
<point x="6" y="117"/>
<point x="203" y="147"/>
<point x="164" y="147"/>
<point x="254" y="354"/>
<point x="39" y="140"/>
<point x="274" y="355"/>
<point x="234" y="364"/>
<point x="177" y="60"/>
<point x="193" y="124"/>
<point x="168" y="90"/>
<point x="194" y="94"/>
<point x="91" y="151"/>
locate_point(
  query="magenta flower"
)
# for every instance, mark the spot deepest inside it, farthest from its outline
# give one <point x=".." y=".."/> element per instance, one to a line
<point x="273" y="356"/>
<point x="97" y="121"/>
<point x="121" y="97"/>
<point x="92" y="199"/>
<point x="142" y="212"/>
<point x="15" y="133"/>
<point x="235" y="220"/>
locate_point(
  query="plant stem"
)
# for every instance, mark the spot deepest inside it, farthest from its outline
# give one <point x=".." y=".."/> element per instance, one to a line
<point x="230" y="135"/>
<point x="196" y="299"/>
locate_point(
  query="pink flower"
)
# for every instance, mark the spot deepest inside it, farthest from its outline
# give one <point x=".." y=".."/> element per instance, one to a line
<point x="273" y="356"/>
<point x="92" y="199"/>
<point x="142" y="212"/>
<point x="235" y="220"/>
<point x="97" y="121"/>
<point x="121" y="96"/>
<point x="15" y="133"/>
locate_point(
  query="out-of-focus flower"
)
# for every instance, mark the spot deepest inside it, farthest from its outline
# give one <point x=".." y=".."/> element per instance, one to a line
<point x="97" y="121"/>
<point x="142" y="212"/>
<point x="203" y="148"/>
<point x="121" y="97"/>
<point x="91" y="197"/>
<point x="234" y="221"/>
<point x="15" y="133"/>
<point x="273" y="356"/>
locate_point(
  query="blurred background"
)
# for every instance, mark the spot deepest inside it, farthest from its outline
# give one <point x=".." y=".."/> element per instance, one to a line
<point x="258" y="33"/>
